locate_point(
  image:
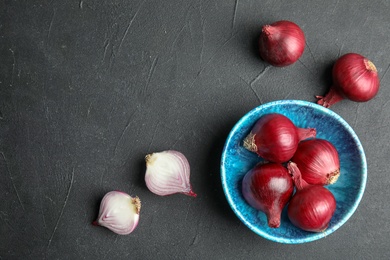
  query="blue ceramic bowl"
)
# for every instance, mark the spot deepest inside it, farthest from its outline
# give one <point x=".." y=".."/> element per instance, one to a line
<point x="348" y="190"/>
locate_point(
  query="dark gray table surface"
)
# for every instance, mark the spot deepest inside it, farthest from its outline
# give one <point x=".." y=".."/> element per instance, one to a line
<point x="88" y="88"/>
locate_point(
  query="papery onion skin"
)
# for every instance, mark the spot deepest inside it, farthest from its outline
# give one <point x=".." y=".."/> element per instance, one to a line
<point x="312" y="208"/>
<point x="281" y="43"/>
<point x="318" y="161"/>
<point x="296" y="176"/>
<point x="275" y="138"/>
<point x="354" y="77"/>
<point x="119" y="212"/>
<point x="167" y="173"/>
<point x="268" y="187"/>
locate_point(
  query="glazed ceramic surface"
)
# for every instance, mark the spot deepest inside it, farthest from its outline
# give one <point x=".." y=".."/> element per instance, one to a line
<point x="348" y="190"/>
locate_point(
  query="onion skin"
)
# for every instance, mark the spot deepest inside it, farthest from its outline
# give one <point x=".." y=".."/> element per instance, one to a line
<point x="294" y="171"/>
<point x="281" y="43"/>
<point x="312" y="208"/>
<point x="354" y="78"/>
<point x="268" y="187"/>
<point x="275" y="138"/>
<point x="318" y="162"/>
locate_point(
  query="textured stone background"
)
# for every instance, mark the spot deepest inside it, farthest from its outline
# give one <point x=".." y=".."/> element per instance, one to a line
<point x="88" y="88"/>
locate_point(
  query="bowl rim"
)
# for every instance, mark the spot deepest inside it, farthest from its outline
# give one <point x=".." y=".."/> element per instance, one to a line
<point x="317" y="236"/>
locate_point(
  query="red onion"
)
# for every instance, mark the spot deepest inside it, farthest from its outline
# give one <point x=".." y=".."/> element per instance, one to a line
<point x="275" y="138"/>
<point x="312" y="208"/>
<point x="268" y="187"/>
<point x="354" y="78"/>
<point x="168" y="172"/>
<point x="281" y="43"/>
<point x="318" y="162"/>
<point x="119" y="212"/>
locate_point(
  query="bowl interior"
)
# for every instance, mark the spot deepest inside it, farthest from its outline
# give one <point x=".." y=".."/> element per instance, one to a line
<point x="348" y="190"/>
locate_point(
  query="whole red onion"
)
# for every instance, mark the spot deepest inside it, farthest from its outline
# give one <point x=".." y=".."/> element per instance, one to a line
<point x="312" y="208"/>
<point x="318" y="162"/>
<point x="354" y="78"/>
<point x="281" y="43"/>
<point x="275" y="138"/>
<point x="268" y="187"/>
